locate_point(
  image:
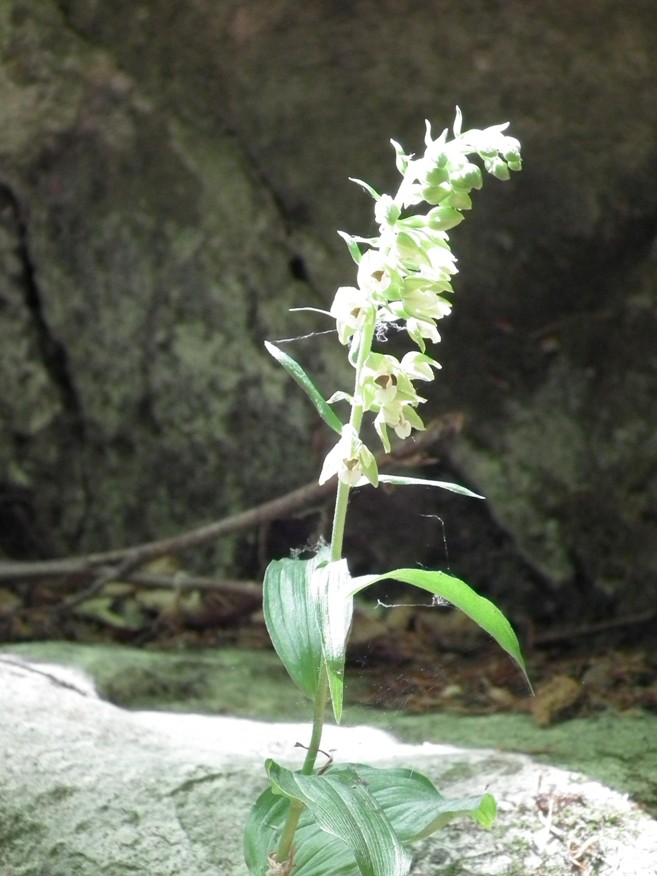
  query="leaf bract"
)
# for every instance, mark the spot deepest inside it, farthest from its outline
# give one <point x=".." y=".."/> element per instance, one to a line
<point x="299" y="375"/>
<point x="481" y="610"/>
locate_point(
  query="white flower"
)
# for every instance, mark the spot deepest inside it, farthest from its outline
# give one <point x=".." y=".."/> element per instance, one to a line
<point x="424" y="303"/>
<point x="374" y="272"/>
<point x="400" y="416"/>
<point x="386" y="211"/>
<point x="418" y="329"/>
<point x="418" y="367"/>
<point x="350" y="309"/>
<point x="351" y="460"/>
<point x="380" y="379"/>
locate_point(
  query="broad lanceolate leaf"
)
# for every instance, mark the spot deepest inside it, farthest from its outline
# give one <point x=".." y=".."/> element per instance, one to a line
<point x="408" y="799"/>
<point x="342" y="805"/>
<point x="422" y="482"/>
<point x="262" y="831"/>
<point x="291" y="620"/>
<point x="482" y="611"/>
<point x="308" y="606"/>
<point x="312" y="847"/>
<point x="330" y="590"/>
<point x="296" y="371"/>
<point x="414" y="806"/>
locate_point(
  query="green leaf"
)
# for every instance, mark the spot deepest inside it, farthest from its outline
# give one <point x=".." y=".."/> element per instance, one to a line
<point x="458" y="123"/>
<point x="401" y="159"/>
<point x="291" y="619"/>
<point x="409" y="801"/>
<point x="368" y="188"/>
<point x="312" y="847"/>
<point x="308" y="607"/>
<point x="330" y="587"/>
<point x="296" y="371"/>
<point x="262" y="830"/>
<point x="352" y="246"/>
<point x="482" y="611"/>
<point x="414" y="806"/>
<point x="343" y="807"/>
<point x="422" y="482"/>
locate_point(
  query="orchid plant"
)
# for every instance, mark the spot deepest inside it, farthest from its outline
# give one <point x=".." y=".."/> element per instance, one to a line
<point x="350" y="819"/>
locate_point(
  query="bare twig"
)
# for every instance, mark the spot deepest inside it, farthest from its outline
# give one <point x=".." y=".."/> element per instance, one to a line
<point x="435" y="438"/>
<point x="183" y="581"/>
<point x="570" y="634"/>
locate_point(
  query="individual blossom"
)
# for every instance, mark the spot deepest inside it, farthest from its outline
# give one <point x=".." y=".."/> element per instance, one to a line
<point x="384" y="380"/>
<point x="400" y="416"/>
<point x="419" y="329"/>
<point x="350" y="460"/>
<point x="417" y="366"/>
<point x="424" y="302"/>
<point x="350" y="309"/>
<point x="386" y="212"/>
<point x="388" y="389"/>
<point x="375" y="275"/>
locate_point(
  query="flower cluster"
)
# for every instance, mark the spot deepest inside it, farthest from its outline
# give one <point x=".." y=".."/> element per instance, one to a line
<point x="404" y="277"/>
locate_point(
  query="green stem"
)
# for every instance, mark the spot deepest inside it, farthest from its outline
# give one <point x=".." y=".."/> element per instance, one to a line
<point x="337" y="537"/>
<point x="355" y="421"/>
<point x="296" y="806"/>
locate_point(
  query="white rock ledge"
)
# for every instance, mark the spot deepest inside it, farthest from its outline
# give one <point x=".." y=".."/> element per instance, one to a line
<point x="87" y="788"/>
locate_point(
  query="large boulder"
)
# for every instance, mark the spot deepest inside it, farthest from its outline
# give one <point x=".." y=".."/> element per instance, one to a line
<point x="89" y="788"/>
<point x="172" y="178"/>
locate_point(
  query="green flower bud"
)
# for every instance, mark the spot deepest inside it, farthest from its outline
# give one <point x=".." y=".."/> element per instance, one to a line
<point x="435" y="194"/>
<point x="466" y="178"/>
<point x="459" y="200"/>
<point x="418" y="367"/>
<point x="514" y="161"/>
<point x="511" y="150"/>
<point x="443" y="218"/>
<point x="412" y="222"/>
<point x="498" y="168"/>
<point x="419" y="329"/>
<point x="437" y="175"/>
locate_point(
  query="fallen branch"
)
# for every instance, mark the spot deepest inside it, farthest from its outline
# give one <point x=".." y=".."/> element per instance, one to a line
<point x="435" y="438"/>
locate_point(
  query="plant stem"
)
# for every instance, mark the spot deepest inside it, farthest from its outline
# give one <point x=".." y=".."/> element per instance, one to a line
<point x="355" y="421"/>
<point x="365" y="339"/>
<point x="296" y="806"/>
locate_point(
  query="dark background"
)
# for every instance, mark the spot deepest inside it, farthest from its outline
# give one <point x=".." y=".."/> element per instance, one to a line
<point x="172" y="176"/>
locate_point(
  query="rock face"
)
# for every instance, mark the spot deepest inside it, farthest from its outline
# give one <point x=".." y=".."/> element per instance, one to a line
<point x="170" y="183"/>
<point x="89" y="788"/>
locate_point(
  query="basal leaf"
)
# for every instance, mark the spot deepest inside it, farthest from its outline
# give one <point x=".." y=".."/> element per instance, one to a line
<point x="409" y="801"/>
<point x="342" y="806"/>
<point x="263" y="828"/>
<point x="297" y="373"/>
<point x="313" y="848"/>
<point x="414" y="806"/>
<point x="482" y="611"/>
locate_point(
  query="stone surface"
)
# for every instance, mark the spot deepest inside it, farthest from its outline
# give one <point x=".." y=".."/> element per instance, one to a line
<point x="144" y="266"/>
<point x="617" y="749"/>
<point x="89" y="788"/>
<point x="171" y="183"/>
